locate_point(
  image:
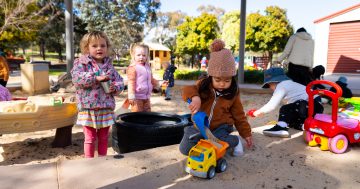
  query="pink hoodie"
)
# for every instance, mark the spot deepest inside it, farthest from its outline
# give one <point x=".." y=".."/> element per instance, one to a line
<point x="140" y="81"/>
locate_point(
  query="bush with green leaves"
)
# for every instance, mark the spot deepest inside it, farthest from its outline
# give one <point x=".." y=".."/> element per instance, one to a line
<point x="121" y="62"/>
<point x="254" y="76"/>
<point x="250" y="76"/>
<point x="188" y="74"/>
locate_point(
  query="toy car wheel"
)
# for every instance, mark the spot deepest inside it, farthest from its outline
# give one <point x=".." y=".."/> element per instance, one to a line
<point x="308" y="136"/>
<point x="221" y="165"/>
<point x="338" y="144"/>
<point x="211" y="172"/>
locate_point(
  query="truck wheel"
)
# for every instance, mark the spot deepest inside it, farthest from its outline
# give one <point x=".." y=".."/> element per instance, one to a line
<point x="221" y="165"/>
<point x="211" y="172"/>
<point x="338" y="144"/>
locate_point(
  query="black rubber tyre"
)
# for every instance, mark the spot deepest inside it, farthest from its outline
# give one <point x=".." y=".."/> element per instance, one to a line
<point x="221" y="165"/>
<point x="188" y="118"/>
<point x="211" y="173"/>
<point x="143" y="130"/>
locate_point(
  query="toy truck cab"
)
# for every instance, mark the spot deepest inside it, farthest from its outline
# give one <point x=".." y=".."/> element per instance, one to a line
<point x="205" y="159"/>
<point x="330" y="132"/>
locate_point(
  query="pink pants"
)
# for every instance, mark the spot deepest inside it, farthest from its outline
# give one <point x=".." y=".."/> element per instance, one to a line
<point x="90" y="140"/>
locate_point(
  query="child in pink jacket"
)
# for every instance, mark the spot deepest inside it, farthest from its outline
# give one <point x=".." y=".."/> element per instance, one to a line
<point x="140" y="79"/>
<point x="96" y="103"/>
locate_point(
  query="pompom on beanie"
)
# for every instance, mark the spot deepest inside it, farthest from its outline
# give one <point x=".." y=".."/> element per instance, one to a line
<point x="222" y="62"/>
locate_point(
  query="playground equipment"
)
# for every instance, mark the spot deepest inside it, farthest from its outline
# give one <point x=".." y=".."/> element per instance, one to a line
<point x="37" y="114"/>
<point x="331" y="132"/>
<point x="206" y="157"/>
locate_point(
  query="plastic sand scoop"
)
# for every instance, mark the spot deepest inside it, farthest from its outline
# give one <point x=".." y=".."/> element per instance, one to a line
<point x="201" y="123"/>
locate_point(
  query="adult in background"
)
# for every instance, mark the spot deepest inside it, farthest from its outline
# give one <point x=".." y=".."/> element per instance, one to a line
<point x="318" y="74"/>
<point x="299" y="51"/>
<point x="4" y="69"/>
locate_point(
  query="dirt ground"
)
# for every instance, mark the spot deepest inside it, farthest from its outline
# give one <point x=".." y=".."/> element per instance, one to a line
<point x="271" y="163"/>
<point x="34" y="147"/>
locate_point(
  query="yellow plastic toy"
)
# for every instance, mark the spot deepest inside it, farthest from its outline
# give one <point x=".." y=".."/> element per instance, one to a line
<point x="320" y="140"/>
<point x="205" y="159"/>
<point x="36" y="114"/>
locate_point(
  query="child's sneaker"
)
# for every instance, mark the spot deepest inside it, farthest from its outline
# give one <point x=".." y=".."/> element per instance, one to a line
<point x="238" y="150"/>
<point x="277" y="131"/>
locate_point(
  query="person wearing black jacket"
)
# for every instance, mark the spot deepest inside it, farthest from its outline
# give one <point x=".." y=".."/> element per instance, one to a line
<point x="317" y="74"/>
<point x="169" y="79"/>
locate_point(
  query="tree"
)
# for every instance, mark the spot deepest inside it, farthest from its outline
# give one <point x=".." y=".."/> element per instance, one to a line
<point x="211" y="9"/>
<point x="196" y="34"/>
<point x="231" y="30"/>
<point x="268" y="33"/>
<point x="20" y="21"/>
<point x="166" y="24"/>
<point x="51" y="36"/>
<point x="22" y="15"/>
<point x="13" y="39"/>
<point x="122" y="20"/>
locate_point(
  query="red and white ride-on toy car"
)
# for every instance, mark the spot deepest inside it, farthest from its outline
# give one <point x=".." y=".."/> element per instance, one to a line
<point x="331" y="132"/>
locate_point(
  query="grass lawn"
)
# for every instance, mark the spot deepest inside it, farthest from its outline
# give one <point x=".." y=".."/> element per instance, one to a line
<point x="56" y="72"/>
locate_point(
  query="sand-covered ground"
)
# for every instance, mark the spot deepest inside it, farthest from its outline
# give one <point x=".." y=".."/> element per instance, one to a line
<point x="34" y="147"/>
<point x="271" y="163"/>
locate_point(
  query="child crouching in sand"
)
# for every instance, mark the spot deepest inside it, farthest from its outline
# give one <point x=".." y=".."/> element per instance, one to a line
<point x="219" y="97"/>
<point x="294" y="112"/>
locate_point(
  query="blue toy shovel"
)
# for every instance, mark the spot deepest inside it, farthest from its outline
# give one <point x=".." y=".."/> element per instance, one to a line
<point x="201" y="123"/>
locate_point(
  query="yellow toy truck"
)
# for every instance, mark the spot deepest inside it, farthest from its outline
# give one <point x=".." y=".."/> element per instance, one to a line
<point x="205" y="159"/>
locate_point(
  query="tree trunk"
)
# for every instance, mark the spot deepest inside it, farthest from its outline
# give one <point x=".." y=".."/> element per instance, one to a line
<point x="192" y="61"/>
<point x="60" y="53"/>
<point x="270" y="55"/>
<point x="42" y="50"/>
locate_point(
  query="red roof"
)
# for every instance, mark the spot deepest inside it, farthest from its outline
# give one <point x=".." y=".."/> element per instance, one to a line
<point x="337" y="13"/>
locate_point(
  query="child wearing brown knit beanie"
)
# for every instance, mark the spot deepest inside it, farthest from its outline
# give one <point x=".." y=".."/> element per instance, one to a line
<point x="218" y="96"/>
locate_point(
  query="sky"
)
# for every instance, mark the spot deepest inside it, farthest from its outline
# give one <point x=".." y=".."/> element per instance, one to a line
<point x="300" y="13"/>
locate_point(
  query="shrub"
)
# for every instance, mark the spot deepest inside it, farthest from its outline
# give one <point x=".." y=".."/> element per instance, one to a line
<point x="254" y="76"/>
<point x="250" y="76"/>
<point x="121" y="63"/>
<point x="27" y="58"/>
<point x="188" y="74"/>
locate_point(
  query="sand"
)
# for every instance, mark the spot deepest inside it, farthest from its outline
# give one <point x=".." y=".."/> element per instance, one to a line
<point x="270" y="163"/>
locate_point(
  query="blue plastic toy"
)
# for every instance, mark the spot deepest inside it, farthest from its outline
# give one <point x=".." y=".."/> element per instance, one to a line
<point x="201" y="123"/>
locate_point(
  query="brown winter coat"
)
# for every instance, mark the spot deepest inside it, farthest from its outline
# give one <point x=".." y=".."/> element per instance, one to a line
<point x="225" y="112"/>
